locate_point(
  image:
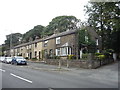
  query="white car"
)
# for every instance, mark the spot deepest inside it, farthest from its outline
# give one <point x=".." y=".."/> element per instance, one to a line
<point x="2" y="59"/>
<point x="8" y="60"/>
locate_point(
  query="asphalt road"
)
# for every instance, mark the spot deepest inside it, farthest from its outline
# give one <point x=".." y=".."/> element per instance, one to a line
<point x="44" y="76"/>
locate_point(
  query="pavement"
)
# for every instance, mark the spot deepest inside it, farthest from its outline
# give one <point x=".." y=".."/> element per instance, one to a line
<point x="43" y="66"/>
<point x="40" y="75"/>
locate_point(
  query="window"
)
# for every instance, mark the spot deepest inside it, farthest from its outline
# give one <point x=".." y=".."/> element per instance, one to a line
<point x="58" y="40"/>
<point x="86" y="38"/>
<point x="45" y="51"/>
<point x="98" y="51"/>
<point x="27" y="47"/>
<point x="35" y="45"/>
<point x="21" y="54"/>
<point x="96" y="41"/>
<point x="64" y="51"/>
<point x="45" y="43"/>
<point x="30" y="46"/>
<point x="69" y="51"/>
<point x="58" y="52"/>
<point x="51" y="52"/>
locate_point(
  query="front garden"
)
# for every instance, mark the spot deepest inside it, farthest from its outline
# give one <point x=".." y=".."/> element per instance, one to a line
<point x="88" y="60"/>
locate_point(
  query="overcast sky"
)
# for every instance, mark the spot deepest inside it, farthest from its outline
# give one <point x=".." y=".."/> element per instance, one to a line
<point x="22" y="15"/>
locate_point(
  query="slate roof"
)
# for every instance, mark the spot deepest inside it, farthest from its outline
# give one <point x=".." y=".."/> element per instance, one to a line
<point x="47" y="38"/>
<point x="24" y="44"/>
<point x="60" y="34"/>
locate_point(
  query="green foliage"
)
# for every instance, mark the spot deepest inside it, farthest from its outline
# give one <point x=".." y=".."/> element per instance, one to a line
<point x="85" y="56"/>
<point x="34" y="59"/>
<point x="3" y="47"/>
<point x="61" y="23"/>
<point x="37" y="31"/>
<point x="71" y="57"/>
<point x="108" y="53"/>
<point x="100" y="56"/>
<point x="83" y="42"/>
<point x="0" y="50"/>
<point x="56" y="57"/>
<point x="81" y="36"/>
<point x="12" y="40"/>
<point x="104" y="17"/>
<point x="1" y="53"/>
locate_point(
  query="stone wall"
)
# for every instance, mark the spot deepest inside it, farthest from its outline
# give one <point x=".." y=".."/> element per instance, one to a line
<point x="87" y="64"/>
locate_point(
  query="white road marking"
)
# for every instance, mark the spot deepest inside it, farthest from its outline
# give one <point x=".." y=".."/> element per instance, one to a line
<point x="2" y="70"/>
<point x="20" y="78"/>
<point x="50" y="88"/>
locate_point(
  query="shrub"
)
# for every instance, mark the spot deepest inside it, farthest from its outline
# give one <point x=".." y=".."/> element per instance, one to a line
<point x="71" y="57"/>
<point x="108" y="53"/>
<point x="34" y="58"/>
<point x="101" y="57"/>
<point x="96" y="54"/>
<point x="84" y="56"/>
<point x="56" y="57"/>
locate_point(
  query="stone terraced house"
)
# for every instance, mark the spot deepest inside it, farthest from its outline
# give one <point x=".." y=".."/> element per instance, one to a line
<point x="59" y="44"/>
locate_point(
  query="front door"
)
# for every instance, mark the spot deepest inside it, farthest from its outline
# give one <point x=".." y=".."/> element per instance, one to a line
<point x="30" y="55"/>
<point x="39" y="54"/>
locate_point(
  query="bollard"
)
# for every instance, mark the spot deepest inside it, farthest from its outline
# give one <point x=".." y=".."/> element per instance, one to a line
<point x="59" y="64"/>
<point x="67" y="63"/>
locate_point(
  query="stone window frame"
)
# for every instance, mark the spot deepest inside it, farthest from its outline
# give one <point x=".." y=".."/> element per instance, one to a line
<point x="45" y="43"/>
<point x="58" y="40"/>
<point x="58" y="52"/>
<point x="36" y="45"/>
<point x="97" y="41"/>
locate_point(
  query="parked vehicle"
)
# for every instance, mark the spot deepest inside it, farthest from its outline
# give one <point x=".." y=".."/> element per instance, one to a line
<point x="18" y="60"/>
<point x="2" y="59"/>
<point x="8" y="60"/>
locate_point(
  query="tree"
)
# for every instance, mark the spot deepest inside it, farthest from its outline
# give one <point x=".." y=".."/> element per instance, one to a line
<point x="12" y="40"/>
<point x="105" y="18"/>
<point x="37" y="31"/>
<point x="0" y="50"/>
<point x="61" y="23"/>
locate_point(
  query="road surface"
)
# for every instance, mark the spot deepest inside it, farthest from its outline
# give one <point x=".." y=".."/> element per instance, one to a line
<point x="43" y="76"/>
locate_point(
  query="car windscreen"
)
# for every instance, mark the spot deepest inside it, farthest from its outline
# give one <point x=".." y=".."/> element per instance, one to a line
<point x="19" y="58"/>
<point x="9" y="58"/>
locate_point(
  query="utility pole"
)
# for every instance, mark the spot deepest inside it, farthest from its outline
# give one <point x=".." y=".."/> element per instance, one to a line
<point x="11" y="43"/>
